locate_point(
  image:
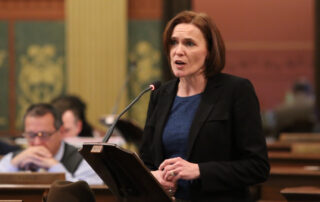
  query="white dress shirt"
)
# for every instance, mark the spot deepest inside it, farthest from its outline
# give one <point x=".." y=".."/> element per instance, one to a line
<point x="84" y="171"/>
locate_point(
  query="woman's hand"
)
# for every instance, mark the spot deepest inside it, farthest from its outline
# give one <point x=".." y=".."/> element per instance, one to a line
<point x="178" y="168"/>
<point x="169" y="186"/>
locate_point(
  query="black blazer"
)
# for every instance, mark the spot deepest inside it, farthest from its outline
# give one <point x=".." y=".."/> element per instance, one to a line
<point x="225" y="138"/>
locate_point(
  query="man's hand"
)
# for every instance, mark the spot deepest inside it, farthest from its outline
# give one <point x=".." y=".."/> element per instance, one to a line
<point x="38" y="156"/>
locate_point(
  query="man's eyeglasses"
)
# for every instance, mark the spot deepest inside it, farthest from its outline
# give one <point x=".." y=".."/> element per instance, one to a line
<point x="43" y="135"/>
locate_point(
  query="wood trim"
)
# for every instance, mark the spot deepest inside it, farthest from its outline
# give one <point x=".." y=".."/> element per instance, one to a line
<point x="317" y="58"/>
<point x="32" y="9"/>
<point x="145" y="9"/>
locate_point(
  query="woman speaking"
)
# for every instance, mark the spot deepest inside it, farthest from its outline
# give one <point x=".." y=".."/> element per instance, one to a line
<point x="202" y="138"/>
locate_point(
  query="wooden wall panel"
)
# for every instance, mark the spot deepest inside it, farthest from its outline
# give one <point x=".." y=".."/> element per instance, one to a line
<point x="270" y="42"/>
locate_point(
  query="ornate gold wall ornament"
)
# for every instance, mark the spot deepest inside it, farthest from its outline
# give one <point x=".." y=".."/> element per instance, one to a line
<point x="147" y="59"/>
<point x="41" y="77"/>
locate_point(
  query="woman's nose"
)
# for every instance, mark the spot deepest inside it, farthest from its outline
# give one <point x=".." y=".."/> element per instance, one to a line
<point x="179" y="49"/>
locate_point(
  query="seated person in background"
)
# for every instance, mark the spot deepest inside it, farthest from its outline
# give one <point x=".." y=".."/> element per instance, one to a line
<point x="74" y="119"/>
<point x="297" y="114"/>
<point x="72" y="125"/>
<point x="46" y="150"/>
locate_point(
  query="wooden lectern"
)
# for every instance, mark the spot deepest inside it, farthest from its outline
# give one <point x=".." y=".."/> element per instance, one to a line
<point x="124" y="173"/>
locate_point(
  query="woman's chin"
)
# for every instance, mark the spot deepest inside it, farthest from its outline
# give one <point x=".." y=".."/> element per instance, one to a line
<point x="178" y="74"/>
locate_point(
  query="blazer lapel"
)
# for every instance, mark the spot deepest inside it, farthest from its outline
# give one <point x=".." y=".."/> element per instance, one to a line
<point x="210" y="96"/>
<point x="166" y="100"/>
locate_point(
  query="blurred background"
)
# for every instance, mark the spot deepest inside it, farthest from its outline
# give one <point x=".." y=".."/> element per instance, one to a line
<point x="107" y="51"/>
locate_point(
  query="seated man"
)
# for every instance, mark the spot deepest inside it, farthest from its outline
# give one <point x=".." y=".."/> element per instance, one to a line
<point x="46" y="150"/>
<point x="298" y="113"/>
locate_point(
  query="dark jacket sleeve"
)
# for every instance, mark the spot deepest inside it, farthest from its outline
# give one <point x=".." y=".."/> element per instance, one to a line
<point x="248" y="163"/>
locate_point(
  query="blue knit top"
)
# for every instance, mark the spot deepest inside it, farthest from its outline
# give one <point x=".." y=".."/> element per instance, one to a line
<point x="176" y="133"/>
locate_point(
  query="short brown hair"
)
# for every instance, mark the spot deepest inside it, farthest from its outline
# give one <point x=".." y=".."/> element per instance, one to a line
<point x="42" y="109"/>
<point x="215" y="60"/>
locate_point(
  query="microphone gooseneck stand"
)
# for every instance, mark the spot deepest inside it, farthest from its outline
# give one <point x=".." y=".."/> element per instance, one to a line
<point x="110" y="130"/>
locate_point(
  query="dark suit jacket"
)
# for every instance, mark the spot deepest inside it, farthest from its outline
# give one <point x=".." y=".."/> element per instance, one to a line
<point x="225" y="138"/>
<point x="7" y="148"/>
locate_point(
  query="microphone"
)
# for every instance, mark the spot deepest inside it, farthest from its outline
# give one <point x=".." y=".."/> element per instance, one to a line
<point x="153" y="86"/>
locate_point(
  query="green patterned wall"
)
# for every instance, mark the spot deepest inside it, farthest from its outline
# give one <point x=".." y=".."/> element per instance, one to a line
<point x="40" y="63"/>
<point x="4" y="77"/>
<point x="145" y="52"/>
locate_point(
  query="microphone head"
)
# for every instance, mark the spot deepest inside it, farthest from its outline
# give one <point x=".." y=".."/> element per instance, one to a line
<point x="155" y="85"/>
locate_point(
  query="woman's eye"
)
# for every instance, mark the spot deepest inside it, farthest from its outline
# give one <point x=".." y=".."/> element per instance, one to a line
<point x="173" y="42"/>
<point x="189" y="43"/>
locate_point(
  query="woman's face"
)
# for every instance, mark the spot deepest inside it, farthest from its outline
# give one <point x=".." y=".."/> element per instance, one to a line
<point x="188" y="51"/>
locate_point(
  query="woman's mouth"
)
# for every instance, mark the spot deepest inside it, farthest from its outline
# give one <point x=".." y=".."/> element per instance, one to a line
<point x="179" y="63"/>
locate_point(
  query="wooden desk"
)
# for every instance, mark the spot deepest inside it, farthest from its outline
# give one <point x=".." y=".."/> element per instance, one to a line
<point x="287" y="176"/>
<point x="11" y="201"/>
<point x="293" y="159"/>
<point x="299" y="194"/>
<point x="34" y="193"/>
<point x="30" y="177"/>
<point x="300" y="137"/>
<point x="279" y="146"/>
